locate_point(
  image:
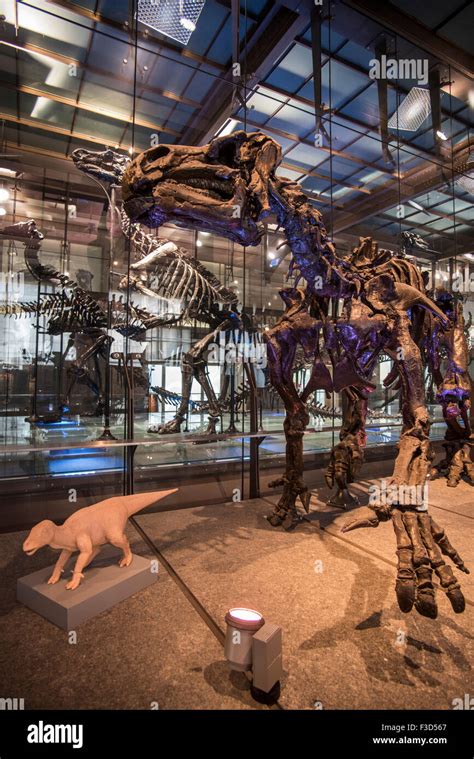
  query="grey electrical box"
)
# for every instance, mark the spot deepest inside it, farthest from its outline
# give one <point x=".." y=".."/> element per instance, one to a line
<point x="267" y="662"/>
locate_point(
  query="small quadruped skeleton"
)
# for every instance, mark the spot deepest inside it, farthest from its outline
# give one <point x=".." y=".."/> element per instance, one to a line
<point x="229" y="187"/>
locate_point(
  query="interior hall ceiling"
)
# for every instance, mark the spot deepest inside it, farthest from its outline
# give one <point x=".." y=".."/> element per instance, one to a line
<point x="69" y="78"/>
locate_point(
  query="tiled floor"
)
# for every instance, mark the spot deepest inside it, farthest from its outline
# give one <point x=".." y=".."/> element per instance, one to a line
<point x="346" y="644"/>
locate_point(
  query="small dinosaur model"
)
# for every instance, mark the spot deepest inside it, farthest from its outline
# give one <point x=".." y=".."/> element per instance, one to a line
<point x="87" y="530"/>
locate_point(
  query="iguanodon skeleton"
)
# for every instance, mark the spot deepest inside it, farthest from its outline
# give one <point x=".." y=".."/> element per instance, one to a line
<point x="386" y="309"/>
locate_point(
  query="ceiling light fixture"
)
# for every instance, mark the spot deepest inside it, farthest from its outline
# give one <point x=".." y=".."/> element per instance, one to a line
<point x="416" y="205"/>
<point x="7" y="172"/>
<point x="4" y="195"/>
<point x="412" y="111"/>
<point x="226" y="128"/>
<point x="173" y="18"/>
<point x="441" y="135"/>
<point x="2" y="211"/>
<point x="466" y="178"/>
<point x="189" y="25"/>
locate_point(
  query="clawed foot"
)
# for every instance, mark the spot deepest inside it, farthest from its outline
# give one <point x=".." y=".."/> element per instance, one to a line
<point x="75" y="581"/>
<point x="126" y="561"/>
<point x="55" y="577"/>
<point x="363" y="517"/>
<point x="174" y="425"/>
<point x="421" y="545"/>
<point x="285" y="512"/>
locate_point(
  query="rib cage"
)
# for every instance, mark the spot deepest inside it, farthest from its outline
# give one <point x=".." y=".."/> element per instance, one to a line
<point x="77" y="310"/>
<point x="178" y="276"/>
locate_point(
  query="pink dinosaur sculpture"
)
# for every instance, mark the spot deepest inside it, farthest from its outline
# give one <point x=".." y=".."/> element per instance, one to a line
<point x="87" y="530"/>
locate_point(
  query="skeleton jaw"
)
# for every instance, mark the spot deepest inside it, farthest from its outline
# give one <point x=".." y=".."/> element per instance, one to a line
<point x="221" y="187"/>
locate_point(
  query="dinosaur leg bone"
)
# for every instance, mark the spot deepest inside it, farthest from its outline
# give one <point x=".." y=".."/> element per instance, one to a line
<point x="194" y="366"/>
<point x="414" y="459"/>
<point x="280" y="357"/>
<point x="347" y="456"/>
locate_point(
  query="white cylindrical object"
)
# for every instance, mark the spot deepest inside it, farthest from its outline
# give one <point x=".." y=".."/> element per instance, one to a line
<point x="242" y="624"/>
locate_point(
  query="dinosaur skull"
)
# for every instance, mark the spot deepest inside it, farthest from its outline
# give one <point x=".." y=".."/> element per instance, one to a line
<point x="40" y="536"/>
<point x="105" y="165"/>
<point x="222" y="187"/>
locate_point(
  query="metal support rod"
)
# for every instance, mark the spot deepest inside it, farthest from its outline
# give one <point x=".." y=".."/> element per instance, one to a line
<point x="235" y="7"/>
<point x="382" y="92"/>
<point x="232" y="427"/>
<point x="34" y="400"/>
<point x="106" y="433"/>
<point x="316" y="50"/>
<point x="254" y="472"/>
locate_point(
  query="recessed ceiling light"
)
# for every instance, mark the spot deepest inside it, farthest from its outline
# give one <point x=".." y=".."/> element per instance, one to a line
<point x="7" y="172"/>
<point x="4" y="195"/>
<point x="412" y="111"/>
<point x="187" y="24"/>
<point x="441" y="135"/>
<point x="226" y="128"/>
<point x="199" y="243"/>
<point x="2" y="211"/>
<point x="174" y="18"/>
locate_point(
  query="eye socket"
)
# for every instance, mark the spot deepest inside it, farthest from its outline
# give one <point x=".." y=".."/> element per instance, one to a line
<point x="152" y="155"/>
<point x="227" y="155"/>
<point x="161" y="151"/>
<point x="225" y="151"/>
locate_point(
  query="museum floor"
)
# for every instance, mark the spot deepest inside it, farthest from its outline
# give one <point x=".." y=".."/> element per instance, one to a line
<point x="345" y="643"/>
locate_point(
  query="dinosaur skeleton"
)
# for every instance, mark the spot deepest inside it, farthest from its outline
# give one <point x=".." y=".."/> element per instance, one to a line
<point x="73" y="310"/>
<point x="229" y="187"/>
<point x="455" y="388"/>
<point x="162" y="269"/>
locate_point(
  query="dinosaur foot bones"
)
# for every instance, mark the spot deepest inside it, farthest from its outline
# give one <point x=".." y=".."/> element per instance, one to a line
<point x="421" y="545"/>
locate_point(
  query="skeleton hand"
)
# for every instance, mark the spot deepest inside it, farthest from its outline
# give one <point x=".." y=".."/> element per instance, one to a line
<point x="420" y="545"/>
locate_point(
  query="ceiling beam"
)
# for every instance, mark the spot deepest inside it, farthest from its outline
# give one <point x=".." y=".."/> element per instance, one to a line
<point x="124" y="28"/>
<point x="82" y="106"/>
<point x="417" y="152"/>
<point x="275" y="32"/>
<point x="396" y="85"/>
<point x="422" y="180"/>
<point x="408" y="27"/>
<point x="312" y="173"/>
<point x="115" y="76"/>
<point x="329" y="151"/>
<point x="35" y="124"/>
